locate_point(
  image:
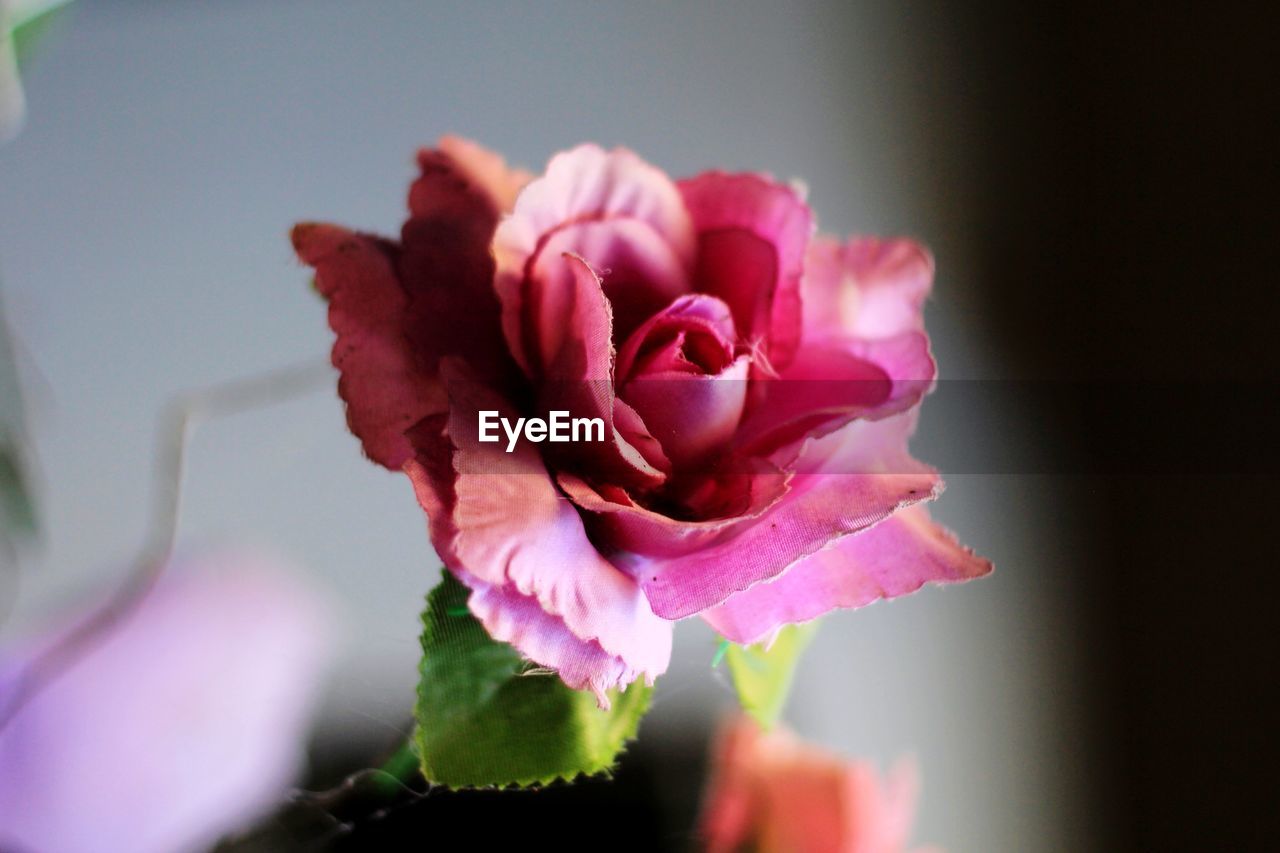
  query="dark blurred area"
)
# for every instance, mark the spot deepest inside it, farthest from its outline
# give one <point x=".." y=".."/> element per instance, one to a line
<point x="1127" y="231"/>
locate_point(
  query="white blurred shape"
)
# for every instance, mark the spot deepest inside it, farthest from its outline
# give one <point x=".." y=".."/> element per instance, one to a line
<point x="186" y="721"/>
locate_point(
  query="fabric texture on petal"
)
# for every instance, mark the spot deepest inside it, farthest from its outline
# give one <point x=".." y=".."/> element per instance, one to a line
<point x="845" y="483"/>
<point x="381" y="380"/>
<point x="500" y="522"/>
<point x="584" y="184"/>
<point x="752" y="236"/>
<point x="895" y="557"/>
<point x="867" y="287"/>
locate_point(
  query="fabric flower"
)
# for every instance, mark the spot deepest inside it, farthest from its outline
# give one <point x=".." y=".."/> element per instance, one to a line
<point x="757" y="386"/>
<point x="183" y="722"/>
<point x="773" y="793"/>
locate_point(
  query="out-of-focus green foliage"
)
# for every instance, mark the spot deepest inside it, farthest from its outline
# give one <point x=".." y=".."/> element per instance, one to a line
<point x="17" y="510"/>
<point x="762" y="675"/>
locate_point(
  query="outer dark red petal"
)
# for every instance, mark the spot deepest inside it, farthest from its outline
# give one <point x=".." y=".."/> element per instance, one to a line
<point x="445" y="265"/>
<point x="384" y="386"/>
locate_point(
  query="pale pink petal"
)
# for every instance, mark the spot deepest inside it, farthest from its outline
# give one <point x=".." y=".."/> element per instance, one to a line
<point x="752" y="234"/>
<point x="584" y="184"/>
<point x="500" y="521"/>
<point x="520" y="620"/>
<point x="183" y="722"/>
<point x="845" y="483"/>
<point x="867" y="287"/>
<point x="640" y="272"/>
<point x="893" y="558"/>
<point x="381" y="380"/>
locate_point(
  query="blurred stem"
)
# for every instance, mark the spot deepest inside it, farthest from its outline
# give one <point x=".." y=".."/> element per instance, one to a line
<point x="400" y="767"/>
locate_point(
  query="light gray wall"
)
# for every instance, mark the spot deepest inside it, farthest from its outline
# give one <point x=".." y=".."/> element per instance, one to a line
<point x="143" y="221"/>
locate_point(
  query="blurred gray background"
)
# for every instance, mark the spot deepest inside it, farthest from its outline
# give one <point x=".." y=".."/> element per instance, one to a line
<point x="143" y="250"/>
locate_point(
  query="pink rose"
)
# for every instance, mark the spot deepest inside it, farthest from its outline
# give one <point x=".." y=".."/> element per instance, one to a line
<point x="756" y="387"/>
<point x="772" y="792"/>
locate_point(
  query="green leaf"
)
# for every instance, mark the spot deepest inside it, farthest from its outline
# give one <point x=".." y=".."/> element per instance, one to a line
<point x="17" y="510"/>
<point x="30" y="21"/>
<point x="486" y="717"/>
<point x="22" y="24"/>
<point x="762" y="677"/>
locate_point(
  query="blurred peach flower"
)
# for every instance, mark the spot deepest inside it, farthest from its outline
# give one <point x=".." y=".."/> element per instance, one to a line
<point x="772" y="792"/>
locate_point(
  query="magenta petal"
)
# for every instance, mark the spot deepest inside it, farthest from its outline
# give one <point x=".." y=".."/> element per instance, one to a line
<point x="834" y="495"/>
<point x="381" y="380"/>
<point x="619" y="524"/>
<point x="893" y="558"/>
<point x="632" y="433"/>
<point x="577" y="350"/>
<point x="502" y="523"/>
<point x="693" y="417"/>
<point x="584" y="184"/>
<point x="752" y="236"/>
<point x="867" y="287"/>
<point x="832" y="382"/>
<point x="697" y="314"/>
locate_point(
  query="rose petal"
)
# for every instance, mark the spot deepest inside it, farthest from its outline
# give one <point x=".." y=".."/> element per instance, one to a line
<point x="639" y="270"/>
<point x="693" y="417"/>
<point x="893" y="558"/>
<point x="384" y="386"/>
<point x="579" y="375"/>
<point x="632" y="430"/>
<point x="445" y="265"/>
<point x="752" y="235"/>
<point x="867" y="287"/>
<point x="584" y="184"/>
<point x="497" y="518"/>
<point x="618" y="523"/>
<point x="847" y="482"/>
<point x="510" y="617"/>
<point x="696" y="312"/>
<point x="831" y="383"/>
<point x="486" y="169"/>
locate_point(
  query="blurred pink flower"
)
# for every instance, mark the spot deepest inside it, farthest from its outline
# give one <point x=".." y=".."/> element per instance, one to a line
<point x="184" y="722"/>
<point x="771" y="792"/>
<point x="756" y="386"/>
